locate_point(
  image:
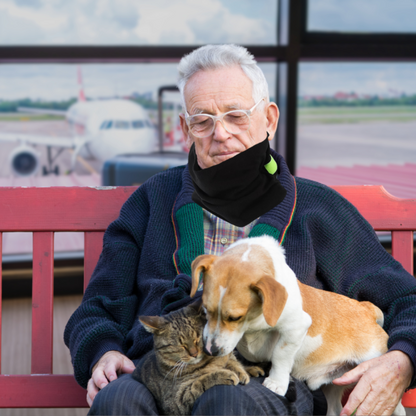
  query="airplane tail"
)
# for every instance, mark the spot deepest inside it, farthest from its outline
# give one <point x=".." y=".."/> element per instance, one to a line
<point x="81" y="95"/>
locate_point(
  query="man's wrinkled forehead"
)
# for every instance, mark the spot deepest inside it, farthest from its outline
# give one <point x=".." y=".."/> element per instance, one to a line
<point x="228" y="88"/>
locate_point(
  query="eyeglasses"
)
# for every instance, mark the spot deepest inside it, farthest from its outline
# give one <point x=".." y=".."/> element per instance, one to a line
<point x="235" y="122"/>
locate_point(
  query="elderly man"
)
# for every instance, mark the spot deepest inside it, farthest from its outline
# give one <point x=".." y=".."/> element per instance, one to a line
<point x="234" y="186"/>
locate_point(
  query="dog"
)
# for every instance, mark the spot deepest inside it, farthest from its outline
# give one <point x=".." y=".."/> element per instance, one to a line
<point x="254" y="302"/>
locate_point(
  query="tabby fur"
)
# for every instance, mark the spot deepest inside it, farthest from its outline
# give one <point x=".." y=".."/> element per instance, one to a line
<point x="177" y="371"/>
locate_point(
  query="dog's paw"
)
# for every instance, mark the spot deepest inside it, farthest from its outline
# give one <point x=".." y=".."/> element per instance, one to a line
<point x="275" y="386"/>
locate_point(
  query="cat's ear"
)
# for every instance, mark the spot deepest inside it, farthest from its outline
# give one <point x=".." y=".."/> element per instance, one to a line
<point x="153" y="324"/>
<point x="196" y="306"/>
<point x="200" y="265"/>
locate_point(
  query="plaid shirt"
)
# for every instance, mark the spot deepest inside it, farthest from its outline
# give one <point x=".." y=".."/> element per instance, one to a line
<point x="220" y="234"/>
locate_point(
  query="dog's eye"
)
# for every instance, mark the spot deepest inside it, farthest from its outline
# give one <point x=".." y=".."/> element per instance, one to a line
<point x="233" y="319"/>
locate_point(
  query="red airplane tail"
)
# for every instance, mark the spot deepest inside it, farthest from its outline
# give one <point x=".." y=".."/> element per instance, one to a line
<point x="81" y="95"/>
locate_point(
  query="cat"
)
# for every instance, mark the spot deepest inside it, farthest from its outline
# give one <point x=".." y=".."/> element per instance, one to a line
<point x="177" y="371"/>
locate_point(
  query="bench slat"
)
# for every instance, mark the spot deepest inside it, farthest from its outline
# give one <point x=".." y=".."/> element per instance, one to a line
<point x="41" y="391"/>
<point x="93" y="245"/>
<point x="61" y="208"/>
<point x="1" y="284"/>
<point x="42" y="303"/>
<point x="402" y="248"/>
<point x="382" y="210"/>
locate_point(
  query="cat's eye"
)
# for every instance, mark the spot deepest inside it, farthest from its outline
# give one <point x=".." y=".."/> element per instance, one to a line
<point x="234" y="318"/>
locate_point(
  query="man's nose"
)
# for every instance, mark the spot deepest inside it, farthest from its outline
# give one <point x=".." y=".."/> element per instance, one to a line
<point x="219" y="131"/>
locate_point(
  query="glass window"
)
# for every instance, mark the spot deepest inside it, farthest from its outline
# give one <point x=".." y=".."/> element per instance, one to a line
<point x="137" y="124"/>
<point x="357" y="125"/>
<point x="131" y="22"/>
<point x="121" y="124"/>
<point x="56" y="87"/>
<point x="357" y="16"/>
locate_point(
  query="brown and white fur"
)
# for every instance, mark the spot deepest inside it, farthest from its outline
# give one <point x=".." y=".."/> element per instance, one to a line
<point x="253" y="301"/>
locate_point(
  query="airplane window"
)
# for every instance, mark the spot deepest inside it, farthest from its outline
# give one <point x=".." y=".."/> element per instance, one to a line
<point x="103" y="125"/>
<point x="121" y="124"/>
<point x="109" y="125"/>
<point x="137" y="124"/>
<point x="149" y="123"/>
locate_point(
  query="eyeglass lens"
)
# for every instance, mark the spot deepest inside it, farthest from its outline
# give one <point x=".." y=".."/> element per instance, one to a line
<point x="234" y="122"/>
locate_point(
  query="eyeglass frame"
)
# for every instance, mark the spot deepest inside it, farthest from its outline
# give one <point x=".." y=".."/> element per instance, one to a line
<point x="221" y="117"/>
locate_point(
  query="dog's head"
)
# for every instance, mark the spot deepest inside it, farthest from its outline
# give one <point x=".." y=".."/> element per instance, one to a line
<point x="240" y="293"/>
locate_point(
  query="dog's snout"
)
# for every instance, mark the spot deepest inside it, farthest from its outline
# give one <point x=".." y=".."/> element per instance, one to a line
<point x="211" y="348"/>
<point x="215" y="350"/>
<point x="206" y="351"/>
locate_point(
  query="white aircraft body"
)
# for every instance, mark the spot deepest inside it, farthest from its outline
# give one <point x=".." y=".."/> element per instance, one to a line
<point x="101" y="129"/>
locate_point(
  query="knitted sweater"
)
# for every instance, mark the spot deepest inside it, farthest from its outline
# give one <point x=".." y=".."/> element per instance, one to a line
<point x="160" y="231"/>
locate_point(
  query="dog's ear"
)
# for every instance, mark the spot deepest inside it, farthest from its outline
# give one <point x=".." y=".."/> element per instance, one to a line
<point x="200" y="264"/>
<point x="273" y="295"/>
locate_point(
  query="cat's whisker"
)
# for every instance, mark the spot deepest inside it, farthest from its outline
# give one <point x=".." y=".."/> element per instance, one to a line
<point x="173" y="368"/>
<point x="178" y="369"/>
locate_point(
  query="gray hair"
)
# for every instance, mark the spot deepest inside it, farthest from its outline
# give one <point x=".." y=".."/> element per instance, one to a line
<point x="223" y="56"/>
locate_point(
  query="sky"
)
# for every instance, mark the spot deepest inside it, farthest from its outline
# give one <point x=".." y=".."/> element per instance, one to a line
<point x="140" y="22"/>
<point x="169" y="22"/>
<point x="396" y="16"/>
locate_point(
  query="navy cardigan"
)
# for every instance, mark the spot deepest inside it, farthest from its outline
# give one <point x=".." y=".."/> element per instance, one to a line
<point x="146" y="262"/>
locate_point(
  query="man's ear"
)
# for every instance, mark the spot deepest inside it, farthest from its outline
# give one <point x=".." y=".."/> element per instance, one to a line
<point x="273" y="295"/>
<point x="153" y="324"/>
<point x="185" y="131"/>
<point x="200" y="265"/>
<point x="272" y="115"/>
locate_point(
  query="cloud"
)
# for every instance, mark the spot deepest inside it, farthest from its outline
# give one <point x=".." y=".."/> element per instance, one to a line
<point x="166" y="22"/>
<point x="111" y="22"/>
<point x="362" y="16"/>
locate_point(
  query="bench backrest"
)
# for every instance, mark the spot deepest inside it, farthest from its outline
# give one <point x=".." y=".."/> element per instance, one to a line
<point x="44" y="211"/>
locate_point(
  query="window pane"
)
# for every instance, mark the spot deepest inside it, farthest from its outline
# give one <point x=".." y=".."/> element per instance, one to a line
<point x="129" y="22"/>
<point x="42" y="105"/>
<point x="358" y="16"/>
<point x="357" y="125"/>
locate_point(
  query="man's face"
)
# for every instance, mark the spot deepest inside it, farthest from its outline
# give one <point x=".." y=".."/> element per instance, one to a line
<point x="215" y="92"/>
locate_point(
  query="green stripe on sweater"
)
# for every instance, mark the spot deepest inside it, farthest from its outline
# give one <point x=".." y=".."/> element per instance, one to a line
<point x="190" y="235"/>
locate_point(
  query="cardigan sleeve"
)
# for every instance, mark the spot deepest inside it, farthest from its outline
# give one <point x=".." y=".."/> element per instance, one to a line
<point x="351" y="261"/>
<point x="102" y="321"/>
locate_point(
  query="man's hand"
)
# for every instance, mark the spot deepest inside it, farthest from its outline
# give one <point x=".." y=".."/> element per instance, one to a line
<point x="107" y="369"/>
<point x="381" y="383"/>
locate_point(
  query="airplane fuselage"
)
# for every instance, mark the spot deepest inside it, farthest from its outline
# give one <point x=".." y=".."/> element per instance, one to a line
<point x="112" y="127"/>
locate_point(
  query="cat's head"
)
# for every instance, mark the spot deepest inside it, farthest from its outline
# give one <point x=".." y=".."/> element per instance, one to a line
<point x="178" y="335"/>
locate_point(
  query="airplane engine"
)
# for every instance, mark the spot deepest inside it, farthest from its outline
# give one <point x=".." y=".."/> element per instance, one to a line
<point x="24" y="161"/>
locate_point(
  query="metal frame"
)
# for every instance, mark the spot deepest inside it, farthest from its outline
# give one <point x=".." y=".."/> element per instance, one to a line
<point x="295" y="44"/>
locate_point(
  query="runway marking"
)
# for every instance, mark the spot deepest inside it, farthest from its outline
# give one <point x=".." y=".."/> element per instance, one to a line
<point x="84" y="163"/>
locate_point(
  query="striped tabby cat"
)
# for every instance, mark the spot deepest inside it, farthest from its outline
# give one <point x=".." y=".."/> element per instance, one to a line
<point x="177" y="371"/>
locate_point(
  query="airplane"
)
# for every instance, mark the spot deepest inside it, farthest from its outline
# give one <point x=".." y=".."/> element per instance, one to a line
<point x="101" y="129"/>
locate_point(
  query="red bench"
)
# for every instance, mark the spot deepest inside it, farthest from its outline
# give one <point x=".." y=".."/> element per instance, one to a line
<point x="44" y="211"/>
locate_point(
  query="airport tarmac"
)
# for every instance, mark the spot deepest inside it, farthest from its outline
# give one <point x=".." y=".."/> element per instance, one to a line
<point x="379" y="143"/>
<point x="319" y="145"/>
<point x="56" y="128"/>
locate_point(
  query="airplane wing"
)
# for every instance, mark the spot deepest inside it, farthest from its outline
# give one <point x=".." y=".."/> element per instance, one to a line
<point x="46" y="111"/>
<point x="42" y="140"/>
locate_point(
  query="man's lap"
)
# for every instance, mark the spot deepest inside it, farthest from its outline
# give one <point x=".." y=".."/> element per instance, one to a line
<point x="126" y="396"/>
